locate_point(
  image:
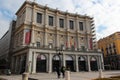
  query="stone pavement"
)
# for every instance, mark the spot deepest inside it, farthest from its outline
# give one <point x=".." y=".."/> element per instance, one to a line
<point x="74" y="75"/>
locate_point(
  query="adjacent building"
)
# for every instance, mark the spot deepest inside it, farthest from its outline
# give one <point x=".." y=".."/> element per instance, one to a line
<point x="110" y="47"/>
<point x="44" y="38"/>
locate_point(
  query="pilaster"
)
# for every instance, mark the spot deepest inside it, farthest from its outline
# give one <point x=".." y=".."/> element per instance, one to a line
<point x="45" y="26"/>
<point x="29" y="62"/>
<point x="63" y="56"/>
<point x="34" y="63"/>
<point x="88" y="63"/>
<point x="50" y="63"/>
<point x="76" y="62"/>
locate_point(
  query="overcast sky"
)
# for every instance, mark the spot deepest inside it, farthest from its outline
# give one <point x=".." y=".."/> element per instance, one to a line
<point x="106" y="13"/>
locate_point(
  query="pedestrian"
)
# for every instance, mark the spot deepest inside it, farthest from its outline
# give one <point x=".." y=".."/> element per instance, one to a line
<point x="63" y="71"/>
<point x="58" y="71"/>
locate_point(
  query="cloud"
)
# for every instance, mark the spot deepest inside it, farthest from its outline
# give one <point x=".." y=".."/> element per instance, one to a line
<point x="105" y="12"/>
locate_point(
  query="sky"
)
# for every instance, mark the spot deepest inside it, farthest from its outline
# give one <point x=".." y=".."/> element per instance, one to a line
<point x="106" y="13"/>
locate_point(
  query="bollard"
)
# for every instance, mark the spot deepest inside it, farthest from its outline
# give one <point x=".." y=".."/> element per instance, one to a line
<point x="25" y="76"/>
<point x="67" y="75"/>
<point x="100" y="73"/>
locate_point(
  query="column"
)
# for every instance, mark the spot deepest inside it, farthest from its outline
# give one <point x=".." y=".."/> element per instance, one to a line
<point x="78" y="41"/>
<point x="76" y="61"/>
<point x="16" y="64"/>
<point x="67" y="22"/>
<point x="102" y="62"/>
<point x="57" y="28"/>
<point x="50" y="63"/>
<point x="88" y="63"/>
<point x="32" y="30"/>
<point x="34" y="63"/>
<point x="32" y="37"/>
<point x="29" y="62"/>
<point x="33" y="15"/>
<point x="67" y="28"/>
<point x="77" y="31"/>
<point x="45" y="27"/>
<point x="63" y="60"/>
<point x="86" y="32"/>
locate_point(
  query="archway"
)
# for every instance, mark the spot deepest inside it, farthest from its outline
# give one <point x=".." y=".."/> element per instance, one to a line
<point x="41" y="63"/>
<point x="70" y="62"/>
<point x="81" y="63"/>
<point x="56" y="62"/>
<point x="93" y="64"/>
<point x="23" y="64"/>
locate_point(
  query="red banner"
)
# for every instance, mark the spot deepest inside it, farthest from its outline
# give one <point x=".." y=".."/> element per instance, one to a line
<point x="27" y="37"/>
<point x="91" y="44"/>
<point x="75" y="44"/>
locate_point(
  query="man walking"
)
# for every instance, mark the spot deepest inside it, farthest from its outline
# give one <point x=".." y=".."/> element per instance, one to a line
<point x="63" y="71"/>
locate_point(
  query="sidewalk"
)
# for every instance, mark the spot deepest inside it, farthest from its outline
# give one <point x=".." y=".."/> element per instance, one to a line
<point x="74" y="76"/>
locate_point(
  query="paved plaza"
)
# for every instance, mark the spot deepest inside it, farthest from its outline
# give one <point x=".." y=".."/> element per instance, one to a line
<point x="53" y="76"/>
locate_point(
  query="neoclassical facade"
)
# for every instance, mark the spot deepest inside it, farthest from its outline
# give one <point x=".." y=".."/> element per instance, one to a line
<point x="45" y="38"/>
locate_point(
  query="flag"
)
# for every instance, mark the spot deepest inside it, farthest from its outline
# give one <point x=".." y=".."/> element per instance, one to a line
<point x="27" y="37"/>
<point x="71" y="42"/>
<point x="74" y="44"/>
<point x="91" y="44"/>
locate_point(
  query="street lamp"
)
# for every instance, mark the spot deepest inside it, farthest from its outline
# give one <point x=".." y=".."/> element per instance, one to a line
<point x="59" y="51"/>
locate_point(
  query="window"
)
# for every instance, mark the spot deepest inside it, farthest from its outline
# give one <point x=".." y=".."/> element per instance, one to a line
<point x="39" y="18"/>
<point x="72" y="47"/>
<point x="83" y="48"/>
<point x="38" y="44"/>
<point x="62" y="46"/>
<point x="61" y="23"/>
<point x="50" y="20"/>
<point x="71" y="24"/>
<point x="50" y="45"/>
<point x="81" y="26"/>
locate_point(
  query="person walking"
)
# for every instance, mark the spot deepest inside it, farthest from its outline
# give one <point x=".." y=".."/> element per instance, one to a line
<point x="58" y="71"/>
<point x="63" y="71"/>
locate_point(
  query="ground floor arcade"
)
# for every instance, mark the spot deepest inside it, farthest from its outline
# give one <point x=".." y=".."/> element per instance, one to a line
<point x="39" y="60"/>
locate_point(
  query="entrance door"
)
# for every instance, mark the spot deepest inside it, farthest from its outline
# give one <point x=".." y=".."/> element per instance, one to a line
<point x="56" y="62"/>
<point x="69" y="63"/>
<point x="81" y="64"/>
<point x="41" y="63"/>
<point x="93" y="64"/>
<point x="23" y="64"/>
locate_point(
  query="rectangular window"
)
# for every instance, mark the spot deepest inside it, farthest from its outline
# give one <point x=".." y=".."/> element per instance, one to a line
<point x="81" y="26"/>
<point x="50" y="20"/>
<point x="50" y="45"/>
<point x="62" y="47"/>
<point x="38" y="44"/>
<point x="39" y="18"/>
<point x="71" y="24"/>
<point x="61" y="23"/>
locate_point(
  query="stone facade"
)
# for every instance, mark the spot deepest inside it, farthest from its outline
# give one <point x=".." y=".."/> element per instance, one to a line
<point x="46" y="38"/>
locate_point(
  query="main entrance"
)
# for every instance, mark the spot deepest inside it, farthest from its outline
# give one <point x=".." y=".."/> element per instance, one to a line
<point x="69" y="62"/>
<point x="93" y="64"/>
<point x="56" y="62"/>
<point x="23" y="64"/>
<point x="81" y="63"/>
<point x="41" y="63"/>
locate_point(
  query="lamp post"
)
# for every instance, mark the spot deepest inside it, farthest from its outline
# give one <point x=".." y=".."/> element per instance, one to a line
<point x="59" y="52"/>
